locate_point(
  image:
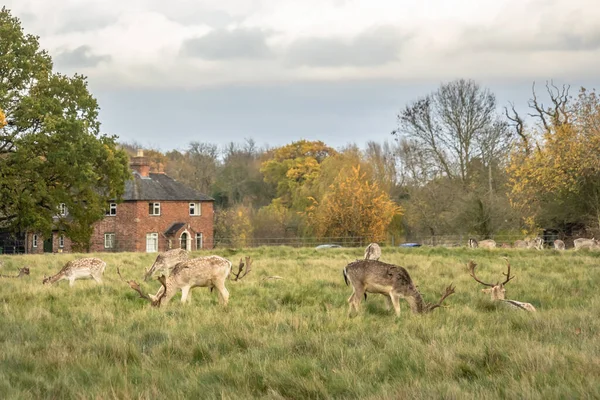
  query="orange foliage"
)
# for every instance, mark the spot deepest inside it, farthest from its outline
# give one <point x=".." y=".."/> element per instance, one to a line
<point x="353" y="207"/>
<point x="2" y="119"/>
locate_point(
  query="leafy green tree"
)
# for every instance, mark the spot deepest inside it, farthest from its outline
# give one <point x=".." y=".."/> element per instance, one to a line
<point x="51" y="148"/>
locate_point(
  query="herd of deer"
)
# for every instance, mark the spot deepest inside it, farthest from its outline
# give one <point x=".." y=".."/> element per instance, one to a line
<point x="180" y="272"/>
<point x="536" y="243"/>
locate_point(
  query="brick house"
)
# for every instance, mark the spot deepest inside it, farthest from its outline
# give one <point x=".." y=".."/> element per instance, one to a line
<point x="157" y="213"/>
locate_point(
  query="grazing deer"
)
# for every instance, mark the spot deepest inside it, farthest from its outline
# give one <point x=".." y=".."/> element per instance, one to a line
<point x="487" y="244"/>
<point x="165" y="262"/>
<point x="521" y="244"/>
<point x="583" y="243"/>
<point x="559" y="244"/>
<point x="373" y="252"/>
<point x="536" y="243"/>
<point x="473" y="243"/>
<point x="498" y="291"/>
<point x="22" y="272"/>
<point x="209" y="271"/>
<point x="390" y="280"/>
<point x="83" y="268"/>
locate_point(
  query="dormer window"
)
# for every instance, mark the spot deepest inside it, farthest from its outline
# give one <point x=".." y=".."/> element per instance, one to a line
<point x="62" y="209"/>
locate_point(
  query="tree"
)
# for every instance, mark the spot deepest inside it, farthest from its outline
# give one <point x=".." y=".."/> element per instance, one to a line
<point x="558" y="182"/>
<point x="51" y="148"/>
<point x="353" y="208"/>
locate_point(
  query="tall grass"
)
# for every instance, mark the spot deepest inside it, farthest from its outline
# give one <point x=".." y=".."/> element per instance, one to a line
<point x="292" y="338"/>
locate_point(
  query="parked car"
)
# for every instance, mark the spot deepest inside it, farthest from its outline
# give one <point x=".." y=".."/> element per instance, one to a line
<point x="327" y="246"/>
<point x="409" y="245"/>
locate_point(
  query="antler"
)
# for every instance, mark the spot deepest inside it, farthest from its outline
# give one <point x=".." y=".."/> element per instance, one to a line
<point x="449" y="291"/>
<point x="248" y="265"/>
<point x="135" y="286"/>
<point x="507" y="274"/>
<point x="472" y="266"/>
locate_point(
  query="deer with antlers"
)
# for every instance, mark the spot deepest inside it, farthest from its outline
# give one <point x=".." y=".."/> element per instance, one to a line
<point x="166" y="261"/>
<point x="498" y="291"/>
<point x="209" y="271"/>
<point x="22" y="272"/>
<point x="371" y="276"/>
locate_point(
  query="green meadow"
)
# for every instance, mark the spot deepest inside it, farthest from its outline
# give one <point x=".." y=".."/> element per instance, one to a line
<point x="292" y="338"/>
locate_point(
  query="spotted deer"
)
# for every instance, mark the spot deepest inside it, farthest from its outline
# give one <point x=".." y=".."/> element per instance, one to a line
<point x="559" y="244"/>
<point x="165" y="262"/>
<point x="83" y="268"/>
<point x="521" y="244"/>
<point x="22" y="272"/>
<point x="583" y="243"/>
<point x="487" y="244"/>
<point x="373" y="252"/>
<point x="372" y="276"/>
<point x="498" y="291"/>
<point x="536" y="243"/>
<point x="209" y="271"/>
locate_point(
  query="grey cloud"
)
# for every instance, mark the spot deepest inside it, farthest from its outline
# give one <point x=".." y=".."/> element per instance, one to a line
<point x="222" y="44"/>
<point x="80" y="19"/>
<point x="373" y="47"/>
<point x="214" y="18"/>
<point x="81" y="57"/>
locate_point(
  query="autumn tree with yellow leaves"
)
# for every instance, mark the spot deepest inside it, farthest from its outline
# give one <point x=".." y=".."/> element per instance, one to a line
<point x="353" y="207"/>
<point x="555" y="180"/>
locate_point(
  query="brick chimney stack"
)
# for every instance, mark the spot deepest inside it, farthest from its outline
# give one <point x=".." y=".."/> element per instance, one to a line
<point x="140" y="164"/>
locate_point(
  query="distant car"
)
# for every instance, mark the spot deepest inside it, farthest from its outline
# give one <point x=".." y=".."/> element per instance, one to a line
<point x="327" y="246"/>
<point x="409" y="245"/>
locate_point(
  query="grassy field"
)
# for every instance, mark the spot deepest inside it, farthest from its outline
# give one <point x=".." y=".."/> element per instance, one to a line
<point x="292" y="338"/>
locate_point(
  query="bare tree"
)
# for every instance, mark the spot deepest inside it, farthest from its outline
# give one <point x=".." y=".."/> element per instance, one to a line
<point x="449" y="123"/>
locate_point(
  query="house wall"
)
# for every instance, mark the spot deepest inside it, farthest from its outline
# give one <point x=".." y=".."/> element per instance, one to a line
<point x="133" y="222"/>
<point x="67" y="248"/>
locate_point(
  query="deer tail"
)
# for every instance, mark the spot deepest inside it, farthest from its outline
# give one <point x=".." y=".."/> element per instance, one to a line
<point x="345" y="276"/>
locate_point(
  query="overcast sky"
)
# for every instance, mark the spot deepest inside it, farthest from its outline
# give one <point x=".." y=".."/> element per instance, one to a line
<point x="170" y="72"/>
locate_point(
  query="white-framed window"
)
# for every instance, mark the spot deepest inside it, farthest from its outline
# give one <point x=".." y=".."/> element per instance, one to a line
<point x="154" y="208"/>
<point x="112" y="209"/>
<point x="195" y="209"/>
<point x="61" y="241"/>
<point x="199" y="241"/>
<point x="109" y="240"/>
<point x="151" y="242"/>
<point x="34" y="240"/>
<point x="62" y="209"/>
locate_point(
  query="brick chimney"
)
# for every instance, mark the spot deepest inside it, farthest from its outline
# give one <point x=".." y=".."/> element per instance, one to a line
<point x="140" y="164"/>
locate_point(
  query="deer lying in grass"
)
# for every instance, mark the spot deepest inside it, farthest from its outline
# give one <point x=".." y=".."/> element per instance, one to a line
<point x="473" y="243"/>
<point x="165" y="262"/>
<point x="371" y="276"/>
<point x="582" y="243"/>
<point x="487" y="244"/>
<point x="498" y="291"/>
<point x="210" y="271"/>
<point x="83" y="268"/>
<point x="559" y="244"/>
<point x="373" y="252"/>
<point x="22" y="272"/>
<point x="536" y="243"/>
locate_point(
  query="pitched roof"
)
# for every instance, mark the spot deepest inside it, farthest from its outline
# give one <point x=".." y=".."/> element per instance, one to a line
<point x="174" y="228"/>
<point x="160" y="187"/>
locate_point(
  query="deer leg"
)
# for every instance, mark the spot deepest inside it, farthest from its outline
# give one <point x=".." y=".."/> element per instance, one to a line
<point x="395" y="299"/>
<point x="223" y="293"/>
<point x="71" y="282"/>
<point x="355" y="299"/>
<point x="98" y="279"/>
<point x="184" y="293"/>
<point x="388" y="303"/>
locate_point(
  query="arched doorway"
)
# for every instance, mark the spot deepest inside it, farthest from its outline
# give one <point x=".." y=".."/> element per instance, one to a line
<point x="184" y="240"/>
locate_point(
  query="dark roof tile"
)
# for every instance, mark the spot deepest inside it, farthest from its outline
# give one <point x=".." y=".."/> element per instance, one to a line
<point x="160" y="187"/>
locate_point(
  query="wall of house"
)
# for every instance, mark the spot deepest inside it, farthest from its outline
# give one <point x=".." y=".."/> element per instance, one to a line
<point x="133" y="222"/>
<point x="56" y="248"/>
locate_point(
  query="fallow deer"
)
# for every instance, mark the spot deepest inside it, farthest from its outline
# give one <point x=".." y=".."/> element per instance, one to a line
<point x="536" y="243"/>
<point x="165" y="262"/>
<point x="521" y="244"/>
<point x="83" y="268"/>
<point x="390" y="280"/>
<point x="373" y="252"/>
<point x="473" y="243"/>
<point x="583" y="243"/>
<point x="498" y="291"/>
<point x="487" y="244"/>
<point x="22" y="272"/>
<point x="559" y="244"/>
<point x="209" y="271"/>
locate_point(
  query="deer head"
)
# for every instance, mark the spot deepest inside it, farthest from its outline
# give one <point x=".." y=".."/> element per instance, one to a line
<point x="154" y="300"/>
<point x="496" y="290"/>
<point x="239" y="275"/>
